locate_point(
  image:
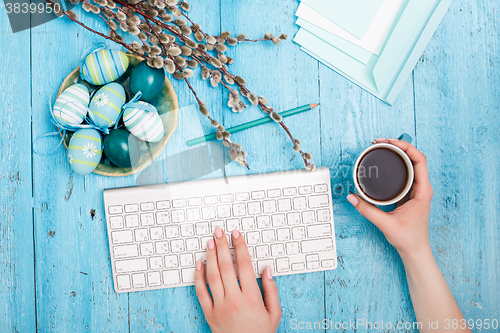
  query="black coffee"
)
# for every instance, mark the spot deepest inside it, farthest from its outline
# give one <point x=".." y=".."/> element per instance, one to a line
<point x="382" y="174"/>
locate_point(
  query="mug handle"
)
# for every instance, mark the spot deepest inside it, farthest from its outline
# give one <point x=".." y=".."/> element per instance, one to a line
<point x="406" y="137"/>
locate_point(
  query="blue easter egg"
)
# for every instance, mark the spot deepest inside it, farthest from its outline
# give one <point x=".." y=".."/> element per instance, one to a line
<point x="85" y="151"/>
<point x="106" y="105"/>
<point x="71" y="105"/>
<point x="104" y="66"/>
<point x="143" y="121"/>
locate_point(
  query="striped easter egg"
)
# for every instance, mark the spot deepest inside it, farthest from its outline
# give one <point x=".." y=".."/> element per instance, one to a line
<point x="71" y="106"/>
<point x="85" y="151"/>
<point x="104" y="66"/>
<point x="106" y="105"/>
<point x="143" y="121"/>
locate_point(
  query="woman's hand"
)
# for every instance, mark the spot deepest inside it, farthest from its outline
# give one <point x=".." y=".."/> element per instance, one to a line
<point x="235" y="307"/>
<point x="407" y="227"/>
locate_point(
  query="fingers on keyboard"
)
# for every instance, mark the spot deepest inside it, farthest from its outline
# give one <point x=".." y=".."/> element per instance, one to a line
<point x="246" y="271"/>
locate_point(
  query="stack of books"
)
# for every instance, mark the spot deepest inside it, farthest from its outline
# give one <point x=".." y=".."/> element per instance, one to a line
<point x="374" y="43"/>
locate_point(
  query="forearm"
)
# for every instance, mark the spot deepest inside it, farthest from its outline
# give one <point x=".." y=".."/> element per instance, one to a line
<point x="431" y="297"/>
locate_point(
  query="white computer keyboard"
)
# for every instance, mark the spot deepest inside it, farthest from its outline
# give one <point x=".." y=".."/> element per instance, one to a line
<point x="157" y="233"/>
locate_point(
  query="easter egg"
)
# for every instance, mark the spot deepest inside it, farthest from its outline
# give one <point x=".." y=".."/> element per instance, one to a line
<point x="149" y="81"/>
<point x="85" y="151"/>
<point x="122" y="148"/>
<point x="143" y="121"/>
<point x="106" y="105"/>
<point x="71" y="106"/>
<point x="104" y="66"/>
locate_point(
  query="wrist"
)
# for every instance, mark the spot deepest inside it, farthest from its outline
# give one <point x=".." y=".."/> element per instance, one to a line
<point x="416" y="257"/>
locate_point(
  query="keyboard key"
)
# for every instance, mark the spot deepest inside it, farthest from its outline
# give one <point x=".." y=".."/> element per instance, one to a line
<point x="123" y="282"/>
<point x="223" y="211"/>
<point x="283" y="234"/>
<point x="154" y="279"/>
<point x="147" y="219"/>
<point x="171" y="261"/>
<point x="195" y="201"/>
<point x="292" y="248"/>
<point x="321" y="188"/>
<point x="131" y="221"/>
<point x="211" y="200"/>
<point x="313" y="265"/>
<point x="188" y="275"/>
<point x="156" y="263"/>
<point x="147" y="249"/>
<point x="171" y="231"/>
<point x="268" y="236"/>
<point x="204" y="241"/>
<point x="116" y="222"/>
<point x="162" y="247"/>
<point x="299" y="266"/>
<point x="320" y="230"/>
<point x="177" y="245"/>
<point x="156" y="233"/>
<point x="298" y="233"/>
<point x="125" y="251"/>
<point x="141" y="235"/>
<point x="119" y="237"/>
<point x="163" y="205"/>
<point x="329" y="263"/>
<point x="293" y="218"/>
<point x="275" y="193"/>
<point x="115" y="209"/>
<point x="269" y="206"/>
<point x="192" y="244"/>
<point x="232" y="224"/>
<point x="263" y="222"/>
<point x="139" y="280"/>
<point x="277" y="250"/>
<point x="239" y="209"/>
<point x="186" y="259"/>
<point x="323" y="215"/>
<point x="289" y="191"/>
<point x="316" y="201"/>
<point x="208" y="213"/>
<point x="284" y="205"/>
<point x="226" y="198"/>
<point x="262" y="251"/>
<point x="282" y="265"/>
<point x="244" y="196"/>
<point x="278" y="220"/>
<point x="162" y="217"/>
<point x="133" y="265"/>
<point x="258" y="195"/>
<point x="254" y="208"/>
<point x="305" y="190"/>
<point x="253" y="237"/>
<point x="247" y="223"/>
<point x="147" y="206"/>
<point x="201" y="256"/>
<point x="263" y="264"/>
<point x="171" y="277"/>
<point x="178" y="216"/>
<point x="312" y="257"/>
<point x="187" y="230"/>
<point x="299" y="203"/>
<point x="179" y="203"/>
<point x="193" y="214"/>
<point x="202" y="228"/>
<point x="308" y="217"/>
<point x="317" y="245"/>
<point x="131" y="208"/>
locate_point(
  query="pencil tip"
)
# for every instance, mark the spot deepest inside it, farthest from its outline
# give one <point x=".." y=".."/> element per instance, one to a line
<point x="314" y="105"/>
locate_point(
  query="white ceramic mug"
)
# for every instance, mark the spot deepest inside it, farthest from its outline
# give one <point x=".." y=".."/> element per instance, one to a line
<point x="407" y="162"/>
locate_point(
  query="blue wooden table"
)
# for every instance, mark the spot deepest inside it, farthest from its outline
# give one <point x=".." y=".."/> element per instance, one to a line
<point x="55" y="273"/>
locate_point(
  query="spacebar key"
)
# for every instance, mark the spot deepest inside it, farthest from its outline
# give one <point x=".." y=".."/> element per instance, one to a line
<point x="125" y="266"/>
<point x="317" y="245"/>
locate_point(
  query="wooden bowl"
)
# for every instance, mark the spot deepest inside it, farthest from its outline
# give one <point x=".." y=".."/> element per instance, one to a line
<point x="168" y="108"/>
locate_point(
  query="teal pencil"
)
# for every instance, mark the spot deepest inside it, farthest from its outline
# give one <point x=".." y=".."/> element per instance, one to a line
<point x="251" y="124"/>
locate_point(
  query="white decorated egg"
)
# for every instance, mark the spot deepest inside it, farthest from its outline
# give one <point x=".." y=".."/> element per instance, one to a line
<point x="143" y="121"/>
<point x="85" y="151"/>
<point x="71" y="105"/>
<point x="104" y="66"/>
<point x="106" y="105"/>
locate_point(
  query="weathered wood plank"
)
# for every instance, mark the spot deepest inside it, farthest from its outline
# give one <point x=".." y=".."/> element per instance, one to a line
<point x="17" y="280"/>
